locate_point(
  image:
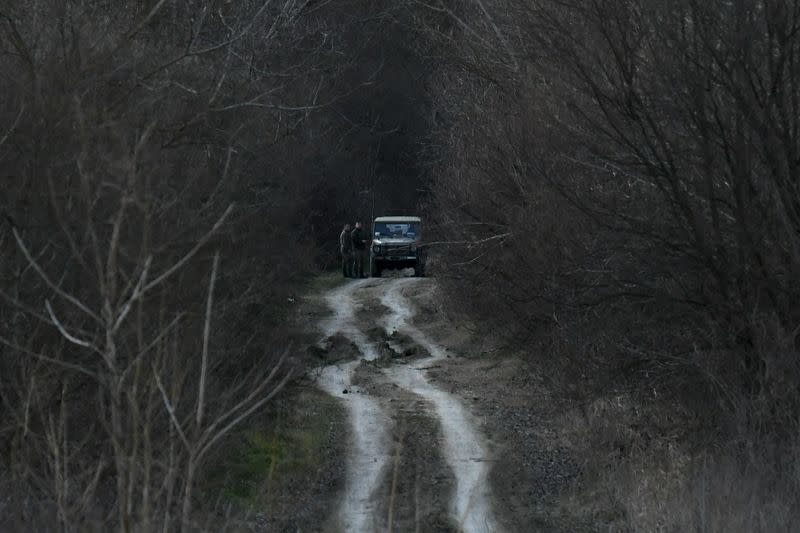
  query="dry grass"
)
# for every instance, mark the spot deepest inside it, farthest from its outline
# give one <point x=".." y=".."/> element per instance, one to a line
<point x="641" y="475"/>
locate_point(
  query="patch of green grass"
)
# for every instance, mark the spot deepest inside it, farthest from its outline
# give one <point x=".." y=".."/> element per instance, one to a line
<point x="244" y="471"/>
<point x="287" y="447"/>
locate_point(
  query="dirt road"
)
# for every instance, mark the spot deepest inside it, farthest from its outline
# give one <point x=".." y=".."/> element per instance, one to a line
<point x="390" y="399"/>
<point x="410" y="418"/>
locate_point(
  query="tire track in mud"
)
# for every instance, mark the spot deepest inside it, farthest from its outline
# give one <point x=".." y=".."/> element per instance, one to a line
<point x="368" y="463"/>
<point x="464" y="449"/>
<point x="368" y="422"/>
<point x="417" y="485"/>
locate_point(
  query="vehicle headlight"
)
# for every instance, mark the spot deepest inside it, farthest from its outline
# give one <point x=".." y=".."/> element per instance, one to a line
<point x="413" y="247"/>
<point x="376" y="249"/>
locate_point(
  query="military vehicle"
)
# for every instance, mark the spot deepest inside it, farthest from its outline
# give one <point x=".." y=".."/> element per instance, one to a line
<point x="396" y="244"/>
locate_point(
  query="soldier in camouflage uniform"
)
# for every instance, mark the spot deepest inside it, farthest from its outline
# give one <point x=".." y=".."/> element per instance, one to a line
<point x="359" y="239"/>
<point x="346" y="249"/>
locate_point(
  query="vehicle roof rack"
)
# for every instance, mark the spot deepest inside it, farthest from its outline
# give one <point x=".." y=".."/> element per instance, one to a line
<point x="398" y="219"/>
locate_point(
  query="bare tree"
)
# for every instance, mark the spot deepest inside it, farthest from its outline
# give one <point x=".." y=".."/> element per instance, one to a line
<point x="130" y="145"/>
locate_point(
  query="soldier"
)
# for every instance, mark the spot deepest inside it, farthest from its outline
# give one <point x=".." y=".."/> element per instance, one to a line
<point x="359" y="240"/>
<point x="346" y="249"/>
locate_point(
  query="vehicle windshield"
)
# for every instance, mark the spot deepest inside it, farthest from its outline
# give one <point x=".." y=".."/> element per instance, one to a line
<point x="408" y="230"/>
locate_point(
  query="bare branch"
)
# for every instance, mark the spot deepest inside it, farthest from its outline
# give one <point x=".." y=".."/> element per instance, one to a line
<point x="171" y="410"/>
<point x="77" y="303"/>
<point x="13" y="126"/>
<point x="206" y="334"/>
<point x="208" y="433"/>
<point x="137" y="292"/>
<point x="71" y="338"/>
<point x="64" y="364"/>
<point x="247" y="412"/>
<point x="156" y="8"/>
<point x="191" y="252"/>
<point x="150" y="346"/>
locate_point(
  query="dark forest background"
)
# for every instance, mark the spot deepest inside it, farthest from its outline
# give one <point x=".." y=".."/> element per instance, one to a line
<point x="618" y="181"/>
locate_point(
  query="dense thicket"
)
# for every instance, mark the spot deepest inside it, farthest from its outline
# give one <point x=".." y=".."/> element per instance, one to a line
<point x="172" y="171"/>
<point x="627" y="174"/>
<point x="640" y="157"/>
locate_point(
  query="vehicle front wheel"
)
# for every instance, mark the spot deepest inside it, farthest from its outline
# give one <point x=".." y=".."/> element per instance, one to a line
<point x="419" y="270"/>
